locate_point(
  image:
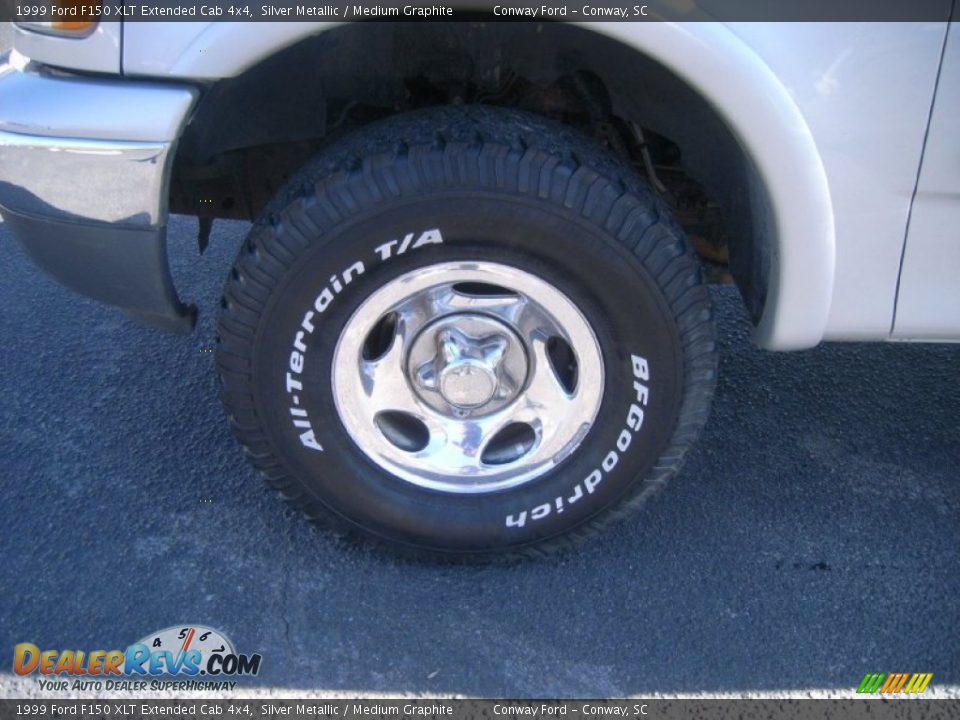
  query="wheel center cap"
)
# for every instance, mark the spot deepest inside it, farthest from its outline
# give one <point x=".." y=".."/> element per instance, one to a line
<point x="467" y="384"/>
<point x="466" y="364"/>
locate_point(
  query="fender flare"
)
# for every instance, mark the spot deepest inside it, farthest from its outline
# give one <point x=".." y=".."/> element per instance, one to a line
<point x="757" y="107"/>
<point x="769" y="126"/>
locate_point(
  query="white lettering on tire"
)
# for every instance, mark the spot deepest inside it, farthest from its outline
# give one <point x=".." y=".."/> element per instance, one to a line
<point x="336" y="285"/>
<point x="634" y="421"/>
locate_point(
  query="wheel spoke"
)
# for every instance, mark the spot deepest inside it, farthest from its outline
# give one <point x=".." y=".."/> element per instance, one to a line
<point x="384" y="383"/>
<point x="459" y="444"/>
<point x="545" y="395"/>
<point x="506" y="307"/>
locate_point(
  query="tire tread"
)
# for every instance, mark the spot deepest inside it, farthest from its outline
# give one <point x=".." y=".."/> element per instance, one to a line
<point x="504" y="151"/>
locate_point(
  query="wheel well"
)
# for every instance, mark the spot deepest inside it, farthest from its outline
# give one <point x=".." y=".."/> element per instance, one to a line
<point x="251" y="132"/>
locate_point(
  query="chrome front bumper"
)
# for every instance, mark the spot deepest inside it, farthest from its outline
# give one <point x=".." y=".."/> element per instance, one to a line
<point x="101" y="181"/>
<point x="84" y="171"/>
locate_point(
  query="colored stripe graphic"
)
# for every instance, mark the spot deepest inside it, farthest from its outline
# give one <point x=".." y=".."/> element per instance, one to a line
<point x="890" y="684"/>
<point x="871" y="682"/>
<point x="918" y="683"/>
<point x="897" y="686"/>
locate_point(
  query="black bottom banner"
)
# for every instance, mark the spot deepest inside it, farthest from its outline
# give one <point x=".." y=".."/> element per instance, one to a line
<point x="850" y="709"/>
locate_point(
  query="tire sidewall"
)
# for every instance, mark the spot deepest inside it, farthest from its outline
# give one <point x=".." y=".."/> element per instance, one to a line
<point x="627" y="311"/>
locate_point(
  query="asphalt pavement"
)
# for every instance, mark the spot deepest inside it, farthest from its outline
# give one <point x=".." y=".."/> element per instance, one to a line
<point x="812" y="537"/>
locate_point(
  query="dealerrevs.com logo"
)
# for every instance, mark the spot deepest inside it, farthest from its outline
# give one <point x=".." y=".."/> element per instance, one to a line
<point x="182" y="650"/>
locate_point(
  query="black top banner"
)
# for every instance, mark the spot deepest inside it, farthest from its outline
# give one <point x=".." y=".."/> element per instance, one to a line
<point x="633" y="11"/>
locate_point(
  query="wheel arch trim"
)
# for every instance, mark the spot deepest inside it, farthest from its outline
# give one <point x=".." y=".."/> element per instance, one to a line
<point x="771" y="129"/>
<point x="758" y="109"/>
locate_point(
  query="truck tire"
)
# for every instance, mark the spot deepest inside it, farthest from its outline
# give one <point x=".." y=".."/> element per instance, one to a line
<point x="466" y="333"/>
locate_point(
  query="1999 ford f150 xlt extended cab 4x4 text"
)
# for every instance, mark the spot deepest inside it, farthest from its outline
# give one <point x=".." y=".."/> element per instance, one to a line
<point x="471" y="317"/>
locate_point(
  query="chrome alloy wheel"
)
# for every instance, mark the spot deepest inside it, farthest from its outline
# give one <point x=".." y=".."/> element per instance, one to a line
<point x="467" y="377"/>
